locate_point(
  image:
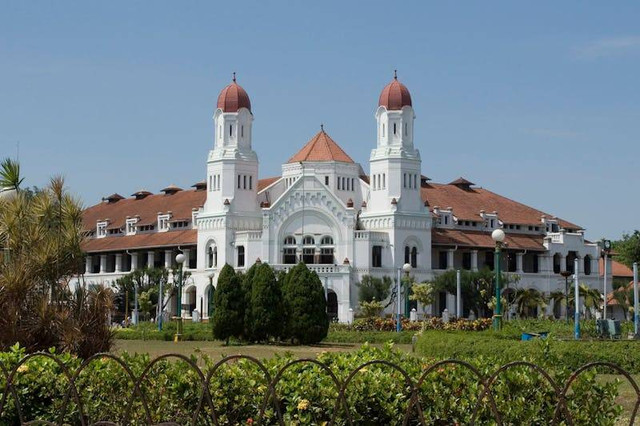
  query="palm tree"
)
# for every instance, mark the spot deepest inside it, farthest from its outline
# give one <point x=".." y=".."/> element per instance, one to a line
<point x="591" y="298"/>
<point x="10" y="175"/>
<point x="558" y="299"/>
<point x="41" y="236"/>
<point x="527" y="300"/>
<point x="621" y="295"/>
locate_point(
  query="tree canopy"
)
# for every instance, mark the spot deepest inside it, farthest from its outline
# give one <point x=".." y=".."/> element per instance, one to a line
<point x="628" y="248"/>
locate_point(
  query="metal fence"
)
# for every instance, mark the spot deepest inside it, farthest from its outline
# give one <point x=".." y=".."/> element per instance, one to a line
<point x="206" y="413"/>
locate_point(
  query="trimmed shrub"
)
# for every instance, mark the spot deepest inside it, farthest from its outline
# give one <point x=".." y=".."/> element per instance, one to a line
<point x="228" y="300"/>
<point x="305" y="306"/>
<point x="266" y="311"/>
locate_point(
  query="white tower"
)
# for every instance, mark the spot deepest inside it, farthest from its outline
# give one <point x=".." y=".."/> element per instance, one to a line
<point x="395" y="162"/>
<point x="232" y="186"/>
<point x="232" y="167"/>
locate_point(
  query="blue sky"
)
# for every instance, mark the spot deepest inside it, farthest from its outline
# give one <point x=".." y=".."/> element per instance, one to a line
<point x="539" y="102"/>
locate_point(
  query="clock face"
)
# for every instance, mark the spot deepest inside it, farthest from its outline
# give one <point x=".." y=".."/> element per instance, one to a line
<point x="607" y="245"/>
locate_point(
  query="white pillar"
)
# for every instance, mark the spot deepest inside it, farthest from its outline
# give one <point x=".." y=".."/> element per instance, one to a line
<point x="118" y="267"/>
<point x="519" y="267"/>
<point x="450" y="253"/>
<point x="167" y="258"/>
<point x="103" y="263"/>
<point x="543" y="263"/>
<point x="474" y="260"/>
<point x="134" y="261"/>
<point x="458" y="295"/>
<point x="187" y="257"/>
<point x="88" y="264"/>
<point x="150" y="259"/>
<point x="563" y="262"/>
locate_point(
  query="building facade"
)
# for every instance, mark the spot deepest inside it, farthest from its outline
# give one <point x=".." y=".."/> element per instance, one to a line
<point x="328" y="211"/>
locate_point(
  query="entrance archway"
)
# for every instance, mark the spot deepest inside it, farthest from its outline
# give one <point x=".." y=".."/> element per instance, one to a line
<point x="332" y="305"/>
<point x="191" y="300"/>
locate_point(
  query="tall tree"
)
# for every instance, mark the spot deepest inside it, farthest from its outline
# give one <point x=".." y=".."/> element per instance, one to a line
<point x="305" y="306"/>
<point x="628" y="248"/>
<point x="267" y="313"/>
<point x="372" y="288"/>
<point x="228" y="314"/>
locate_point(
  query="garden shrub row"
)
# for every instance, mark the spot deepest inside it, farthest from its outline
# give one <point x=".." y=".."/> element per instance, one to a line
<point x="549" y="352"/>
<point x="377" y="394"/>
<point x="433" y="323"/>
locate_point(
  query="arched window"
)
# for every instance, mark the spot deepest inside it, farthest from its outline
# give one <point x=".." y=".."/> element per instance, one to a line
<point x="414" y="257"/>
<point x="308" y="240"/>
<point x="212" y="256"/>
<point x="326" y="240"/>
<point x="290" y="241"/>
<point x="587" y="265"/>
<point x="407" y="254"/>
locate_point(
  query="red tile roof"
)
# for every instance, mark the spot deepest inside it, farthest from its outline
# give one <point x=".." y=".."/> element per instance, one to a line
<point x="617" y="269"/>
<point x="263" y="183"/>
<point x="467" y="203"/>
<point x="478" y="239"/>
<point x="140" y="241"/>
<point x="395" y="95"/>
<point x="321" y="148"/>
<point x="180" y="204"/>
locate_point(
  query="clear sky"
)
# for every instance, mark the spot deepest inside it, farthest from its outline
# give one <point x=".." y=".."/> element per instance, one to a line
<point x="538" y="101"/>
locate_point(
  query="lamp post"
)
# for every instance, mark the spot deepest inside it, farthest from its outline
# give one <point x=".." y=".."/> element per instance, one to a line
<point x="635" y="300"/>
<point x="180" y="258"/>
<point x="210" y="296"/>
<point x="407" y="270"/>
<point x="606" y="246"/>
<point x="566" y="275"/>
<point x="497" y="236"/>
<point x="576" y="331"/>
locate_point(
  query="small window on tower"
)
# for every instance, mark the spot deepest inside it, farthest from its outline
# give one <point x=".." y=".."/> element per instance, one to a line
<point x="239" y="181"/>
<point x="244" y="179"/>
<point x="326" y="180"/>
<point x="405" y="129"/>
<point x="382" y="129"/>
<point x="230" y="130"/>
<point x="394" y="128"/>
<point x="250" y="182"/>
<point x="242" y="131"/>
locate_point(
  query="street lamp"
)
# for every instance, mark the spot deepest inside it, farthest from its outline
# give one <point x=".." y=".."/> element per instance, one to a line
<point x="180" y="258"/>
<point x="210" y="296"/>
<point x="566" y="275"/>
<point x="406" y="268"/>
<point x="497" y="236"/>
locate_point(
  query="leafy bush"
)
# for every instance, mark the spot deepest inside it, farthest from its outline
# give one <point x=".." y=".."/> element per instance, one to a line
<point x="376" y="394"/>
<point x="433" y="323"/>
<point x="305" y="305"/>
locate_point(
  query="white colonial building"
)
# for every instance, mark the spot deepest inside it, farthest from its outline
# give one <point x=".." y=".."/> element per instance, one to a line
<point x="326" y="210"/>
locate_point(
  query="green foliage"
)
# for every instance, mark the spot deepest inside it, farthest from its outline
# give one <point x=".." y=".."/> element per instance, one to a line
<point x="628" y="248"/>
<point x="265" y="306"/>
<point x="527" y="300"/>
<point x="477" y="287"/>
<point x="372" y="288"/>
<point x="41" y="239"/>
<point x="10" y="177"/>
<point x="377" y="394"/>
<point x="371" y="309"/>
<point x="228" y="315"/>
<point x="147" y="280"/>
<point x="423" y="293"/>
<point x="305" y="306"/>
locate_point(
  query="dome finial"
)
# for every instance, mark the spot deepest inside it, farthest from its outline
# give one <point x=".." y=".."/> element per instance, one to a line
<point x="322" y="127"/>
<point x="234" y="76"/>
<point x="395" y="74"/>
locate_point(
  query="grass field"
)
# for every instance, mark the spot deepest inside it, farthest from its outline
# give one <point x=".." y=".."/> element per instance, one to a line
<point x="216" y="349"/>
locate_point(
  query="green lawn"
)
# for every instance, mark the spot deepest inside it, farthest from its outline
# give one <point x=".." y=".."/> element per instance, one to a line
<point x="218" y="350"/>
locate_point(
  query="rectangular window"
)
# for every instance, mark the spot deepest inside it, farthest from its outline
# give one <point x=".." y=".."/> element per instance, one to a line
<point x="289" y="256"/>
<point x="339" y="187"/>
<point x="376" y="257"/>
<point x="230" y="130"/>
<point x="405" y="180"/>
<point x="326" y="256"/>
<point x="308" y="256"/>
<point x="240" y="256"/>
<point x="466" y="261"/>
<point x="326" y="180"/>
<point x="239" y="181"/>
<point x="442" y="259"/>
<point x="415" y="181"/>
<point x="210" y="183"/>
<point x="242" y="131"/>
<point x="250" y="182"/>
<point x="384" y="180"/>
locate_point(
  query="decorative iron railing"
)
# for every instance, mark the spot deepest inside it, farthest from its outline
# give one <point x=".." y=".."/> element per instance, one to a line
<point x="206" y="412"/>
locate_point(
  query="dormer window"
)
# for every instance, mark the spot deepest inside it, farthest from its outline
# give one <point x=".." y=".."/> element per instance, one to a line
<point x="163" y="222"/>
<point x="101" y="229"/>
<point x="131" y="226"/>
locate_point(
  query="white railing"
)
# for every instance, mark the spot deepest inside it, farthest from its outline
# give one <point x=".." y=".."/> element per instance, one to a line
<point x="319" y="269"/>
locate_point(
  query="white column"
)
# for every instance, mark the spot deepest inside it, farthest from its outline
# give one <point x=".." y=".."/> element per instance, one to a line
<point x="563" y="262"/>
<point x="187" y="257"/>
<point x="450" y="253"/>
<point x="103" y="263"/>
<point x="474" y="260"/>
<point x="542" y="263"/>
<point x="150" y="259"/>
<point x="88" y="263"/>
<point x="118" y="262"/>
<point x="519" y="268"/>
<point x="167" y="258"/>
<point x="134" y="260"/>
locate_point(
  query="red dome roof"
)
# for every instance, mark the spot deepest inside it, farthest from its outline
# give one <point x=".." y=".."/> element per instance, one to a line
<point x="233" y="97"/>
<point x="395" y="95"/>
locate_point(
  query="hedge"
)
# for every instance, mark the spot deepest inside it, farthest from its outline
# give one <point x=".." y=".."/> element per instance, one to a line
<point x="306" y="393"/>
